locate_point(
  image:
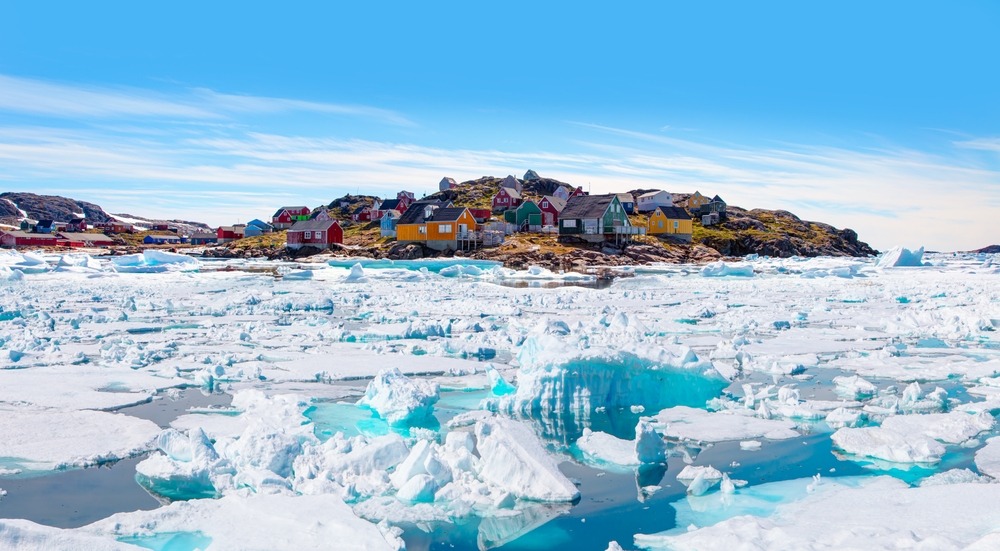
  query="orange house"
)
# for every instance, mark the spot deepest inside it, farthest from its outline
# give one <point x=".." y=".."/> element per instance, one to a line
<point x="436" y="226"/>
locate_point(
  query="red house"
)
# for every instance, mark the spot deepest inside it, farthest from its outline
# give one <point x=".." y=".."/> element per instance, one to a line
<point x="481" y="215"/>
<point x="286" y="216"/>
<point x="22" y="239"/>
<point x="551" y="207"/>
<point x="506" y="198"/>
<point x="362" y="214"/>
<point x="76" y="225"/>
<point x="225" y="234"/>
<point x="314" y="233"/>
<point x="406" y="198"/>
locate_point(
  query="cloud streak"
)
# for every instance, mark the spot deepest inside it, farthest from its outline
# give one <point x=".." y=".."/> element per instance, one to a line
<point x="39" y="97"/>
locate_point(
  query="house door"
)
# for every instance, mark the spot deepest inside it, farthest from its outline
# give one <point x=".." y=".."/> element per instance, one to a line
<point x="549" y="219"/>
<point x="463" y="229"/>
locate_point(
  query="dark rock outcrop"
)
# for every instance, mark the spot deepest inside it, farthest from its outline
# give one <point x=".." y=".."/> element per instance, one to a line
<point x="48" y="207"/>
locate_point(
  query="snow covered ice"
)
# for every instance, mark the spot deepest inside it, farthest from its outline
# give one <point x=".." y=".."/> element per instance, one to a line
<point x="428" y="404"/>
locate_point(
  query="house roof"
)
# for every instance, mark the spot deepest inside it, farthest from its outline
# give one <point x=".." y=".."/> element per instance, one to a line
<point x="717" y="198"/>
<point x="447" y="180"/>
<point x="448" y="214"/>
<point x="586" y="206"/>
<point x="203" y="235"/>
<point x="45" y="223"/>
<point x="91" y="237"/>
<point x="76" y="220"/>
<point x="278" y="212"/>
<point x="313" y="225"/>
<point x="259" y="223"/>
<point x="674" y="213"/>
<point x="510" y="191"/>
<point x="389" y="204"/>
<point x="362" y="209"/>
<point x="415" y="214"/>
<point x="164" y="237"/>
<point x="625" y="198"/>
<point x="557" y="202"/>
<point x="653" y="193"/>
<point x="19" y="233"/>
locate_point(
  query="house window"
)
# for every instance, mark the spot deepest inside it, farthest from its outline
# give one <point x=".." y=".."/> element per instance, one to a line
<point x="308" y="235"/>
<point x="676" y="223"/>
<point x="444" y="228"/>
<point x="569" y="223"/>
<point x="660" y="223"/>
<point x="319" y="235"/>
<point x="422" y="230"/>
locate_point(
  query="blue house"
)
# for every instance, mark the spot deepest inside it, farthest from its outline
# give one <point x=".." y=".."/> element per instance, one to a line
<point x="162" y="240"/>
<point x="45" y="226"/>
<point x="388" y="223"/>
<point x="262" y="225"/>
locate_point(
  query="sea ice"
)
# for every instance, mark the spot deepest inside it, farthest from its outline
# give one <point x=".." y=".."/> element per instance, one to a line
<point x="988" y="458"/>
<point x="685" y="423"/>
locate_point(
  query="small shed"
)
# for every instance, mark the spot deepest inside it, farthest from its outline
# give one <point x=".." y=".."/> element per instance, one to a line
<point x="387" y="225"/>
<point x="673" y="221"/>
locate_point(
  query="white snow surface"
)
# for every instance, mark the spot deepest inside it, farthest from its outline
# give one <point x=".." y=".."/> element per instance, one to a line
<point x="513" y="458"/>
<point x="40" y="440"/>
<point x="685" y="423"/>
<point x="881" y="513"/>
<point x="254" y="522"/>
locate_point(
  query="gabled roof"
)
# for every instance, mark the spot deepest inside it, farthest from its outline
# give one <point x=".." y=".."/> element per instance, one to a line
<point x="259" y="223"/>
<point x="586" y="206"/>
<point x="510" y="181"/>
<point x="557" y="202"/>
<point x="278" y="212"/>
<point x="449" y="214"/>
<point x="447" y="180"/>
<point x="170" y="237"/>
<point x="717" y="198"/>
<point x="45" y="223"/>
<point x="76" y="220"/>
<point x="362" y="209"/>
<point x="415" y="214"/>
<point x="203" y="235"/>
<point x="389" y="204"/>
<point x="674" y="213"/>
<point x="510" y="191"/>
<point x="625" y="198"/>
<point x="313" y="225"/>
<point x="653" y="193"/>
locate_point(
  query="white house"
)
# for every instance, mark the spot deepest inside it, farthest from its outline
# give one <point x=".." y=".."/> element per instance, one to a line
<point x="510" y="182"/>
<point x="649" y="201"/>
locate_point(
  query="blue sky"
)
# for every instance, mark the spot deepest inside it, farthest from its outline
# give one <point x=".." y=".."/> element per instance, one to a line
<point x="879" y="116"/>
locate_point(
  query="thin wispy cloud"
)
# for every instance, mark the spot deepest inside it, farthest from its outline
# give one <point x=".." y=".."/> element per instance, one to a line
<point x="38" y="97"/>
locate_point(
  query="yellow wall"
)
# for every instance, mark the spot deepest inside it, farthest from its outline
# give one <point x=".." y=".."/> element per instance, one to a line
<point x="657" y="223"/>
<point x="660" y="224"/>
<point x="410" y="232"/>
<point x="696" y="201"/>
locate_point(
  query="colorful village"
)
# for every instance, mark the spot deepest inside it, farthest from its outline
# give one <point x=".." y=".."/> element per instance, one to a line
<point x="444" y="221"/>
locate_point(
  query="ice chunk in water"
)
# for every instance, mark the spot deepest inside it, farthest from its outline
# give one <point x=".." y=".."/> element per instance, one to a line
<point x="899" y="256"/>
<point x="399" y="399"/>
<point x="514" y="459"/>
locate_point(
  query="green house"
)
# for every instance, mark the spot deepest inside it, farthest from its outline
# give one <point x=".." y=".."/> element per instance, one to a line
<point x="526" y="216"/>
<point x="594" y="218"/>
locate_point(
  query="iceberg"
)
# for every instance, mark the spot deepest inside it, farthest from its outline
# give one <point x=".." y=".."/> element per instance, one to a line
<point x="514" y="460"/>
<point x="988" y="458"/>
<point x="899" y="257"/>
<point x="399" y="399"/>
<point x="722" y="269"/>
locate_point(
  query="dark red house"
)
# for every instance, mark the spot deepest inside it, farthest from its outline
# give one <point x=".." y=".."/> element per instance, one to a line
<point x="506" y="198"/>
<point x="551" y="207"/>
<point x="76" y="225"/>
<point x="481" y="215"/>
<point x="286" y="216"/>
<point x="314" y="233"/>
<point x="22" y="239"/>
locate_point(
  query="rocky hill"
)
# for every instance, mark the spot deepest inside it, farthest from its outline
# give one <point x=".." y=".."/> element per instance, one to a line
<point x="478" y="194"/>
<point x="778" y="233"/>
<point x="183" y="226"/>
<point x="14" y="207"/>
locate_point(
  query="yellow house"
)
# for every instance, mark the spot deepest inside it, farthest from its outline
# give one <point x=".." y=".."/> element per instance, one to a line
<point x="696" y="201"/>
<point x="437" y="225"/>
<point x="672" y="221"/>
